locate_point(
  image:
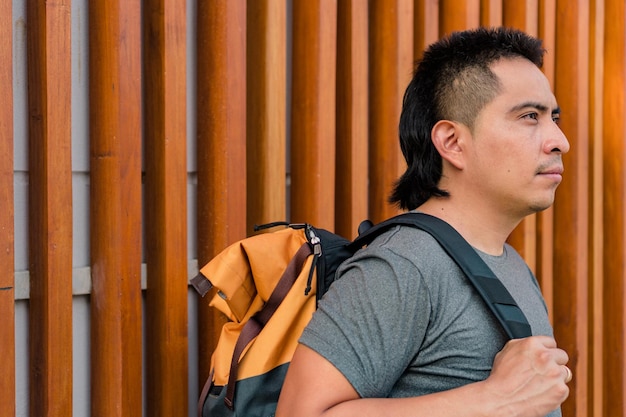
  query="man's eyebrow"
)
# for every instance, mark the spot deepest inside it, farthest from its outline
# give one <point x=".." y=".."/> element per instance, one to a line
<point x="536" y="105"/>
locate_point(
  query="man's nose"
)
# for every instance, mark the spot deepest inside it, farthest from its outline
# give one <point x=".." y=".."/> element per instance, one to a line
<point x="557" y="141"/>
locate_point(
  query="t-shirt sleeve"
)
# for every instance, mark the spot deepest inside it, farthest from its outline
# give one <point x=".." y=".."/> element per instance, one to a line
<point x="372" y="321"/>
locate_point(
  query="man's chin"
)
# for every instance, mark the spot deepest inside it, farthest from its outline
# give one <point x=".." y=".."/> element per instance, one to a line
<point x="541" y="206"/>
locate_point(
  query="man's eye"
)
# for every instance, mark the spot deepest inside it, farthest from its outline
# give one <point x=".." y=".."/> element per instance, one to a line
<point x="532" y="115"/>
<point x="556" y="118"/>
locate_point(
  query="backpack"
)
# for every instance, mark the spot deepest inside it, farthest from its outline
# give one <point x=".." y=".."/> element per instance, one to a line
<point x="268" y="285"/>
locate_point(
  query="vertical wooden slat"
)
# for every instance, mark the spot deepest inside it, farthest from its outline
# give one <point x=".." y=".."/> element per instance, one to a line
<point x="313" y="119"/>
<point x="546" y="31"/>
<point x="522" y="14"/>
<point x="491" y="13"/>
<point x="266" y="111"/>
<point x="7" y="281"/>
<point x="221" y="144"/>
<point x="115" y="207"/>
<point x="596" y="284"/>
<point x="351" y="195"/>
<point x="50" y="208"/>
<point x="614" y="183"/>
<point x="166" y="209"/>
<point x="391" y="65"/>
<point x="426" y="25"/>
<point x="571" y="209"/>
<point x="458" y="15"/>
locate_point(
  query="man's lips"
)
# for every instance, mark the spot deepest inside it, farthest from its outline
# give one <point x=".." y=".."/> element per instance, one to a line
<point x="552" y="171"/>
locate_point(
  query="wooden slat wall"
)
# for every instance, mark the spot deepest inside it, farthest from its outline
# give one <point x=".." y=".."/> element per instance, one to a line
<point x="115" y="207"/>
<point x="596" y="377"/>
<point x="297" y="111"/>
<point x="165" y="209"/>
<point x="459" y="15"/>
<point x="352" y="148"/>
<point x="50" y="209"/>
<point x="313" y="111"/>
<point x="7" y="239"/>
<point x="612" y="374"/>
<point x="266" y="107"/>
<point x="426" y="25"/>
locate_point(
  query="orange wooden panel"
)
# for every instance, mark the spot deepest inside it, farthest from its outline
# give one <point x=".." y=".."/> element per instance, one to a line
<point x="426" y="22"/>
<point x="546" y="31"/>
<point x="7" y="281"/>
<point x="50" y="209"/>
<point x="266" y="111"/>
<point x="596" y="251"/>
<point x="491" y="13"/>
<point x="166" y="215"/>
<point x="522" y="14"/>
<point x="614" y="202"/>
<point x="7" y="343"/>
<point x="313" y="112"/>
<point x="115" y="207"/>
<point x="221" y="144"/>
<point x="571" y="209"/>
<point x="351" y="194"/>
<point x="391" y="66"/>
<point x="458" y="15"/>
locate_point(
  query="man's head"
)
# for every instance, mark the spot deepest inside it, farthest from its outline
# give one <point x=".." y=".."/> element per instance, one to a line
<point x="453" y="81"/>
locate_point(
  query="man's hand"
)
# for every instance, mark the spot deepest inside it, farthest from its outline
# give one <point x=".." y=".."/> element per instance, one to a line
<point x="530" y="376"/>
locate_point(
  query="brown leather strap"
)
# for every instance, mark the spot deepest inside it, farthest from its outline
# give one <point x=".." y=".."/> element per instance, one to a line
<point x="205" y="392"/>
<point x="201" y="284"/>
<point x="256" y="323"/>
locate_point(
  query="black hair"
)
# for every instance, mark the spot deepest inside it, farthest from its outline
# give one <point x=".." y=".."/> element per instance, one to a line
<point x="452" y="81"/>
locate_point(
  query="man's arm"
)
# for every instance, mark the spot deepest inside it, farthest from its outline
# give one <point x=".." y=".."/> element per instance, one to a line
<point x="528" y="379"/>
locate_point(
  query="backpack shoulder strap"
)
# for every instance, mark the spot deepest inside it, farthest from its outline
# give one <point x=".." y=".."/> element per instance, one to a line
<point x="491" y="289"/>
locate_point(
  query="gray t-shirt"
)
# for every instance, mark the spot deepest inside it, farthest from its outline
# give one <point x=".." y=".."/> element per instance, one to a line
<point x="404" y="321"/>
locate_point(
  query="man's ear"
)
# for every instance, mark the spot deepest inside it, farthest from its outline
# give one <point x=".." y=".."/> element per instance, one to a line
<point x="448" y="137"/>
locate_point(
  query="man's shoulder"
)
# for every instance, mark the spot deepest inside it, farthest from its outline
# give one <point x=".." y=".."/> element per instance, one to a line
<point x="407" y="249"/>
<point x="406" y="241"/>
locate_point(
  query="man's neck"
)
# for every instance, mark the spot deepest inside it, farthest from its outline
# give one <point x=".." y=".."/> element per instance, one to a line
<point x="484" y="230"/>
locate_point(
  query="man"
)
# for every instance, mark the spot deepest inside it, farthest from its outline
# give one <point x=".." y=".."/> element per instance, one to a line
<point x="402" y="332"/>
